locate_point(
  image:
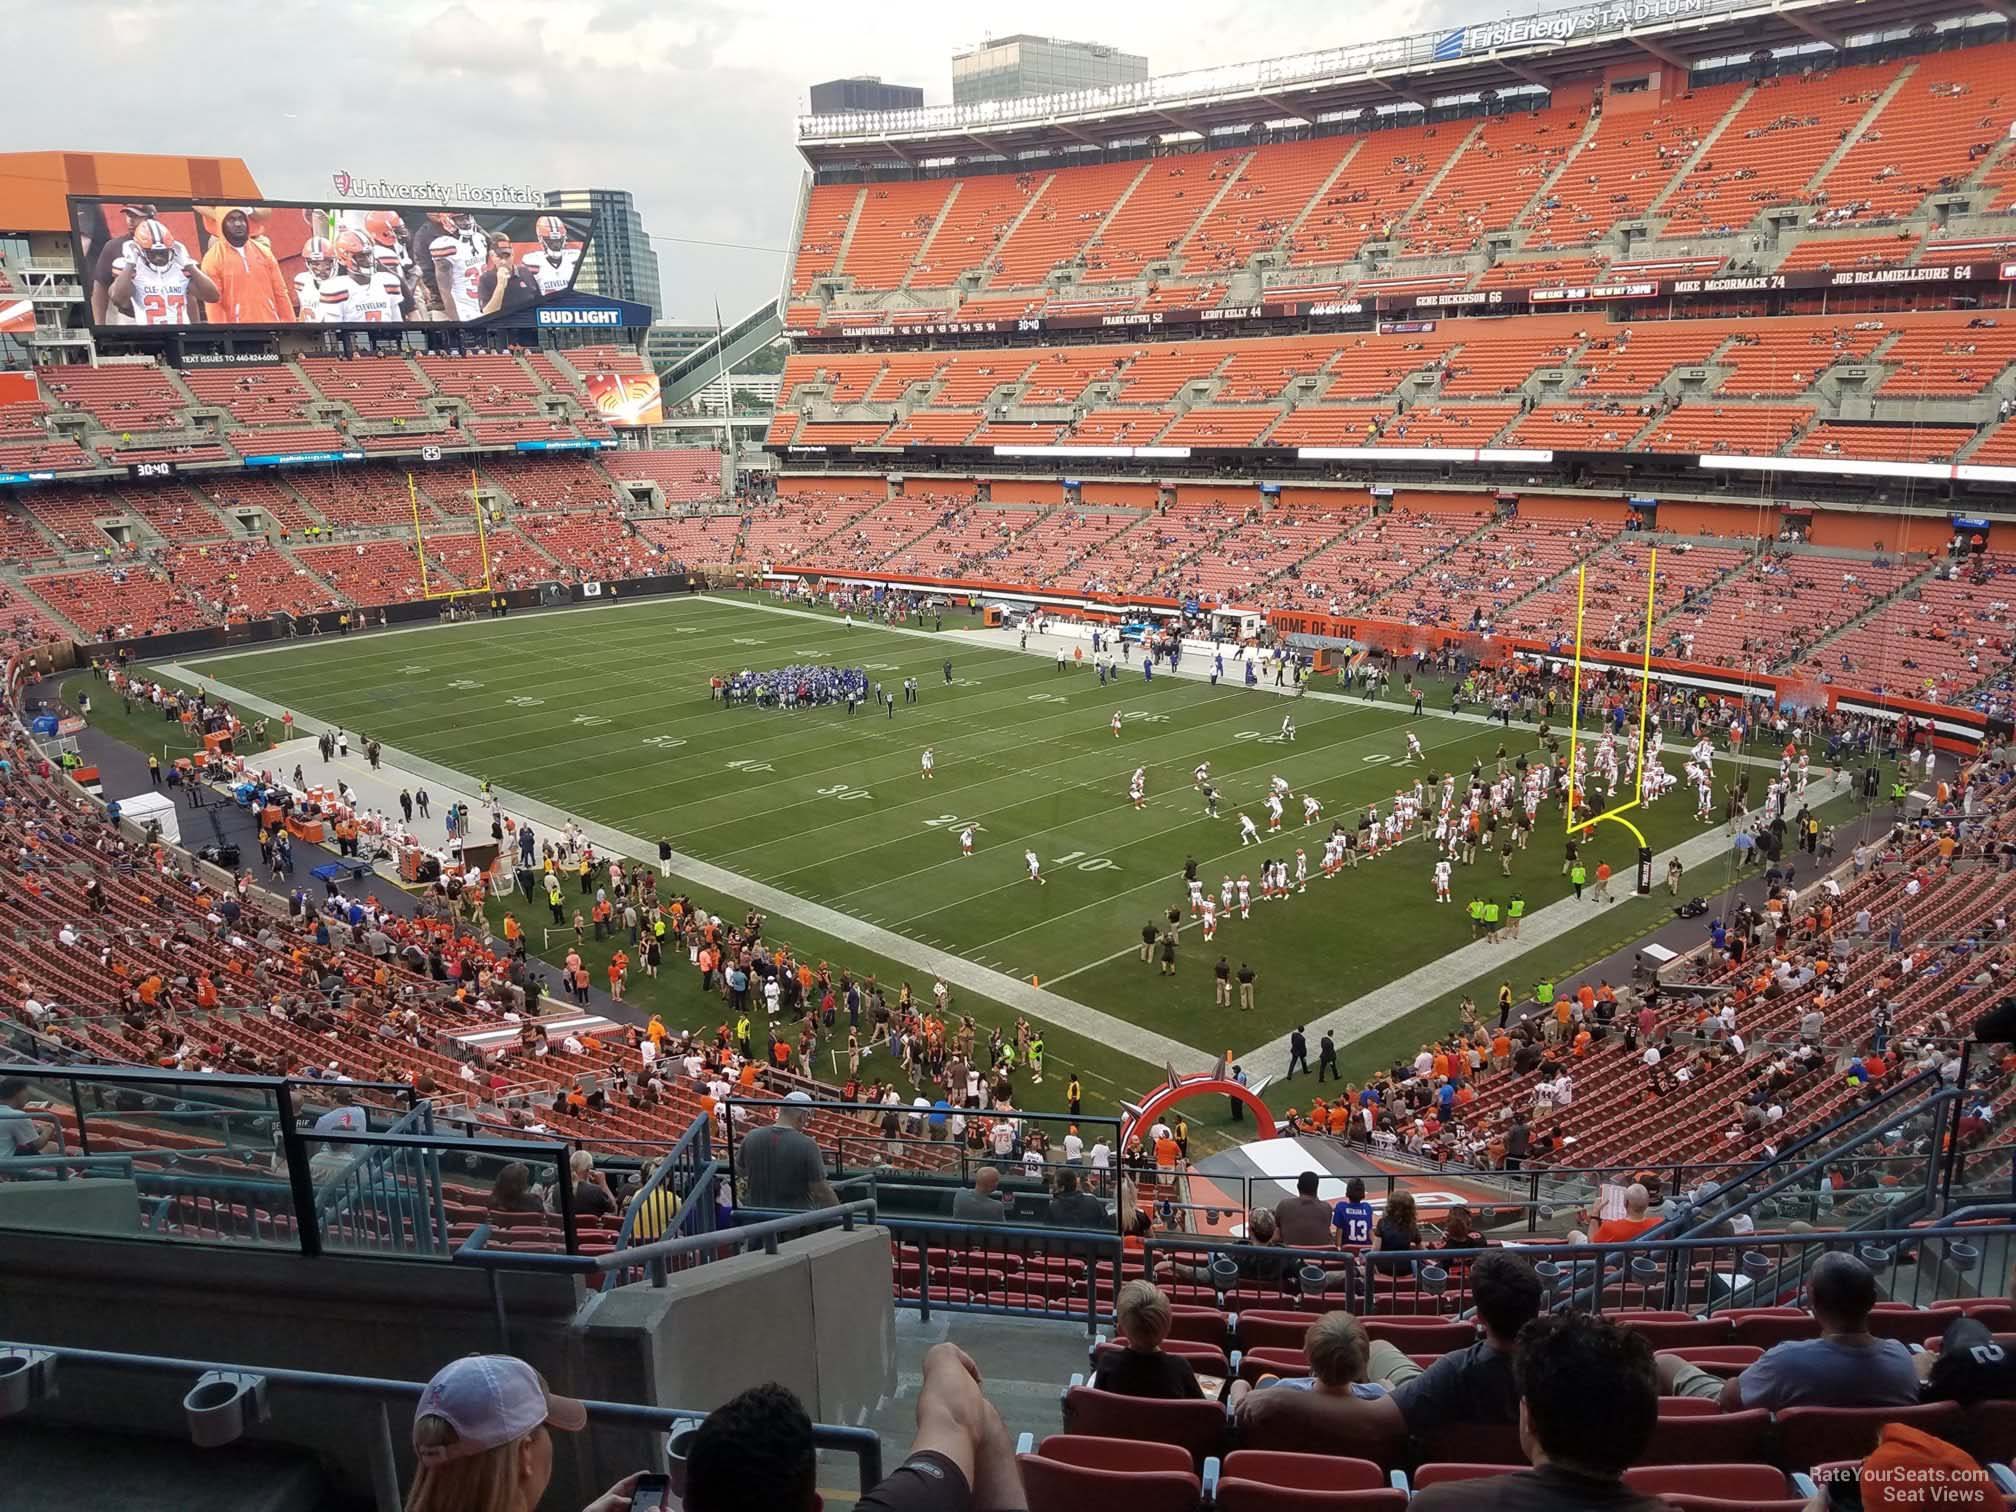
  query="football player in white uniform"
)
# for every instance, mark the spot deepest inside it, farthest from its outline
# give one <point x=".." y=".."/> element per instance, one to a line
<point x="361" y="291"/>
<point x="457" y="253"/>
<point x="154" y="278"/>
<point x="320" y="257"/>
<point x="551" y="264"/>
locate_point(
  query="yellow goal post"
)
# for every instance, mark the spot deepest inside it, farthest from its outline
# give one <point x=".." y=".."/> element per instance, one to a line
<point x="427" y="590"/>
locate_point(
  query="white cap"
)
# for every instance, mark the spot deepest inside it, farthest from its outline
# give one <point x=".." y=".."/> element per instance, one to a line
<point x="798" y="1097"/>
<point x="491" y="1401"/>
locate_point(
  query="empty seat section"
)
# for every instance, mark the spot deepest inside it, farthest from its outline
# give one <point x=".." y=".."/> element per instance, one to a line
<point x="828" y="209"/>
<point x="895" y="218"/>
<point x="1157" y="215"/>
<point x="1069" y="211"/>
<point x="1928" y="137"/>
<point x="1492" y="179"/>
<point x="1779" y="358"/>
<point x="253" y="395"/>
<point x="120" y="396"/>
<point x="1879" y="442"/>
<point x="684" y="475"/>
<point x="377" y="388"/>
<point x="1777" y="141"/>
<point x="1379" y="184"/>
<point x="1462" y="426"/>
<point x="1739" y="430"/>
<point x="972" y="226"/>
<point x="117" y="602"/>
<point x="1624" y="166"/>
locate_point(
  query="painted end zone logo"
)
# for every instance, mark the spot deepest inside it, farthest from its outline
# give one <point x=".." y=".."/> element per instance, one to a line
<point x="573" y="317"/>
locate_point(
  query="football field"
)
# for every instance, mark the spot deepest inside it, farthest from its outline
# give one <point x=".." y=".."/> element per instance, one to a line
<point x="604" y="714"/>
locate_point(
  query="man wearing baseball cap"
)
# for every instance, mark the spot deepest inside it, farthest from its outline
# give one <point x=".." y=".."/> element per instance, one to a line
<point x="480" y="1436"/>
<point x="781" y="1165"/>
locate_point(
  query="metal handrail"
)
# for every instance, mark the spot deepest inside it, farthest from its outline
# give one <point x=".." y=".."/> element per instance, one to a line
<point x="863" y="1443"/>
<point x="652" y="1257"/>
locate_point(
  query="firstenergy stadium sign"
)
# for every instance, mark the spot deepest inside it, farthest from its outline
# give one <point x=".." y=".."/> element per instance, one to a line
<point x="1563" y="25"/>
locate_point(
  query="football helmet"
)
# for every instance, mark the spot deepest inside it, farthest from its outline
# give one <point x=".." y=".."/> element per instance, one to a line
<point x="385" y="227"/>
<point x="319" y="256"/>
<point x="354" y="254"/>
<point x="155" y="242"/>
<point x="552" y="232"/>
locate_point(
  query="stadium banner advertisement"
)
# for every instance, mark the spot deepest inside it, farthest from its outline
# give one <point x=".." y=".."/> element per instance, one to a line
<point x="227" y="359"/>
<point x="296" y="459"/>
<point x="567" y="445"/>
<point x="591" y="312"/>
<point x="626" y="399"/>
<point x="277" y="264"/>
<point x="27" y="477"/>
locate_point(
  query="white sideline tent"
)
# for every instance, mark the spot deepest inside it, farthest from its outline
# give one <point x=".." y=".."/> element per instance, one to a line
<point x="159" y="807"/>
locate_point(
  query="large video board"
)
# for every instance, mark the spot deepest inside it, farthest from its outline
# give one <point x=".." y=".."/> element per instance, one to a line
<point x="183" y="263"/>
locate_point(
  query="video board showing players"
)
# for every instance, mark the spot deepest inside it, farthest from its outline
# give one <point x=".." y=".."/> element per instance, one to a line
<point x="180" y="263"/>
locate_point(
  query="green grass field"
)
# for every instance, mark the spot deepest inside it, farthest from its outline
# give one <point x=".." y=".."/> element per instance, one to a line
<point x="606" y="715"/>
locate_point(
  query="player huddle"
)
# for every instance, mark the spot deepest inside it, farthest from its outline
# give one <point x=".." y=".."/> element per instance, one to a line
<point x="362" y="267"/>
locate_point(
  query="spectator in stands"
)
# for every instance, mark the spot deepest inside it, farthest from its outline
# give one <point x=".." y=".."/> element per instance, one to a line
<point x="592" y="1197"/>
<point x="512" y="1191"/>
<point x="1846" y="1366"/>
<point x="1968" y="1367"/>
<point x="985" y="1203"/>
<point x="1304" y="1221"/>
<point x="1335" y="1404"/>
<point x="782" y="1166"/>
<point x="755" y="1453"/>
<point x="346" y="1117"/>
<point x="21" y="1134"/>
<point x="1144" y="1368"/>
<point x="1472" y="1385"/>
<point x="482" y="1444"/>
<point x="1398" y="1230"/>
<point x="1071" y="1208"/>
<point x="1338" y="1350"/>
<point x="1587" y="1405"/>
<point x="1636" y="1220"/>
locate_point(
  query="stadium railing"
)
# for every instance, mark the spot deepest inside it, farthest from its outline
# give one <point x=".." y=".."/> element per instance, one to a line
<point x="37" y="1368"/>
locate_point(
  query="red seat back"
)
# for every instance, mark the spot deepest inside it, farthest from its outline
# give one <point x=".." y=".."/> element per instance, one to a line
<point x="1991" y="1430"/>
<point x="1766" y="1329"/>
<point x="1422" y="1335"/>
<point x="1914" y="1325"/>
<point x="1455" y="1470"/>
<point x="1057" y="1486"/>
<point x="1289" y="1364"/>
<point x="1207" y="1325"/>
<point x="1306" y="1472"/>
<point x="1258" y="1496"/>
<point x="1681" y="1333"/>
<point x="1688" y="1406"/>
<point x="1478" y="1443"/>
<point x="1815" y="1435"/>
<point x="1714" y="1438"/>
<point x="1096" y="1453"/>
<point x="1196" y="1427"/>
<point x="1756" y="1482"/>
<point x="1267" y="1329"/>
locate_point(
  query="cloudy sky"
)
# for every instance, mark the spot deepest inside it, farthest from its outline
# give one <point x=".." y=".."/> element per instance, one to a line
<point x="686" y="103"/>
